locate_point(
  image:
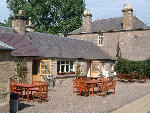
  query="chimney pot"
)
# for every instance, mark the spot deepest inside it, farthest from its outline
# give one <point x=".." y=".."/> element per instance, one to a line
<point x="30" y="27"/>
<point x="19" y="22"/>
<point x="20" y="12"/>
<point x="86" y="21"/>
<point x="30" y="22"/>
<point x="127" y="17"/>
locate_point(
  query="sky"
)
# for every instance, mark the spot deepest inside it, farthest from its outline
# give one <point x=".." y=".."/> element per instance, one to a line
<point x="102" y="9"/>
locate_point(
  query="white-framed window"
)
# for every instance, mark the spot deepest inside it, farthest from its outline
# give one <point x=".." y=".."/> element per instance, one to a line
<point x="65" y="66"/>
<point x="100" y="39"/>
<point x="103" y="66"/>
<point x="112" y="67"/>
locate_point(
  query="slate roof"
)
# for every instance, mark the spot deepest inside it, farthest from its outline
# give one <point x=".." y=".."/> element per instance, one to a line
<point x="63" y="47"/>
<point x="4" y="46"/>
<point x="47" y="45"/>
<point x="7" y="30"/>
<point x="112" y="24"/>
<point x="22" y="45"/>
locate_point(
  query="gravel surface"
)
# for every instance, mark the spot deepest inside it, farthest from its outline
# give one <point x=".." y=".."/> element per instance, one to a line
<point x="62" y="100"/>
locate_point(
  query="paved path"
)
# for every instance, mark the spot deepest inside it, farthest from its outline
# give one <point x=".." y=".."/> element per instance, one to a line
<point x="141" y="105"/>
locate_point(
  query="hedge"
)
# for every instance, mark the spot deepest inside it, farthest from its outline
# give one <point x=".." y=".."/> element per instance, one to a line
<point x="127" y="66"/>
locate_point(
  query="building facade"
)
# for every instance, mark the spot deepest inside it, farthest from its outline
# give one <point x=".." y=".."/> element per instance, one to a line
<point x="5" y="77"/>
<point x="129" y="32"/>
<point x="49" y="56"/>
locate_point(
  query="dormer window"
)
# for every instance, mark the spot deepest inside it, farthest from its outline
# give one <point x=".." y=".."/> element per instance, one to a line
<point x="100" y="39"/>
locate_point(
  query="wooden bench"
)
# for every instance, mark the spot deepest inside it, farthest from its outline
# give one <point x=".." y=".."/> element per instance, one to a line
<point x="132" y="77"/>
<point x="123" y="77"/>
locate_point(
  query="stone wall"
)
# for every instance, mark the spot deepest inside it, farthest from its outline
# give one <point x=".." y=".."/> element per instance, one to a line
<point x="132" y="43"/>
<point x="84" y="67"/>
<point x="4" y="81"/>
<point x="61" y="79"/>
<point x="29" y="68"/>
<point x="91" y="37"/>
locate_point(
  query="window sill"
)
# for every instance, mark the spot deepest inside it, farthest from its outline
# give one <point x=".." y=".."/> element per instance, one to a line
<point x="63" y="76"/>
<point x="65" y="73"/>
<point x="100" y="45"/>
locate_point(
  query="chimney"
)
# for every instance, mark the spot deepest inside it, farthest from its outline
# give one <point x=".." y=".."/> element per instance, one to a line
<point x="30" y="27"/>
<point x="86" y="21"/>
<point x="127" y="17"/>
<point x="19" y="22"/>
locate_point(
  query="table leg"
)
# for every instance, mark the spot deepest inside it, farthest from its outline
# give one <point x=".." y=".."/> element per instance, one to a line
<point x="28" y="95"/>
<point x="92" y="89"/>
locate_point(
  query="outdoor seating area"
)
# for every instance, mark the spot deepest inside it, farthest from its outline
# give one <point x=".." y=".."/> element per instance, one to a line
<point x="35" y="90"/>
<point x="68" y="102"/>
<point x="132" y="77"/>
<point x="84" y="85"/>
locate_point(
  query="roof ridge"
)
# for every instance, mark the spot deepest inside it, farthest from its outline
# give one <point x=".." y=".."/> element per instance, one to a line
<point x="106" y="18"/>
<point x="142" y="20"/>
<point x="7" y="27"/>
<point x="56" y="36"/>
<point x="6" y="45"/>
<point x="75" y="30"/>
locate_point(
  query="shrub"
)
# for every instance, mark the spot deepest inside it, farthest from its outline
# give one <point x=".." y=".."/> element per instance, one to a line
<point x="127" y="66"/>
<point x="21" y="69"/>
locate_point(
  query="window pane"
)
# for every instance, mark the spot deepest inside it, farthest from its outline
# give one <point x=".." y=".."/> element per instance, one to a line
<point x="58" y="66"/>
<point x="62" y="62"/>
<point x="62" y="68"/>
<point x="101" y="40"/>
<point x="71" y="66"/>
<point x="67" y="68"/>
<point x="67" y="62"/>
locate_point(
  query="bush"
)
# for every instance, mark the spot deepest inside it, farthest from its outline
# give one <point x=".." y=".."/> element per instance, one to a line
<point x="21" y="69"/>
<point x="127" y="66"/>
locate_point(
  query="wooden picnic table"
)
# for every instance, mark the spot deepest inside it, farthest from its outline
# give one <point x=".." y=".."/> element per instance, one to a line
<point x="92" y="83"/>
<point x="27" y="86"/>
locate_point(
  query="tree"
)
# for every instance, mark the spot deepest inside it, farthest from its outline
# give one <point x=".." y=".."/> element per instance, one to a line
<point x="6" y="23"/>
<point x="51" y="16"/>
<point x="118" y="51"/>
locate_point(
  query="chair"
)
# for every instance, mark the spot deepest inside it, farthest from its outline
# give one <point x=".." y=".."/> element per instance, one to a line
<point x="85" y="78"/>
<point x="110" y="79"/>
<point x="142" y="79"/>
<point x="37" y="83"/>
<point x="111" y="86"/>
<point x="36" y="88"/>
<point x="102" y="88"/>
<point x="42" y="92"/>
<point x="18" y="90"/>
<point x="76" y="86"/>
<point x="84" y="88"/>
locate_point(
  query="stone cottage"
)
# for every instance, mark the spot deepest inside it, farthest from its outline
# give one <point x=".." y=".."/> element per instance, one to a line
<point x="49" y="55"/>
<point x="4" y="77"/>
<point x="129" y="32"/>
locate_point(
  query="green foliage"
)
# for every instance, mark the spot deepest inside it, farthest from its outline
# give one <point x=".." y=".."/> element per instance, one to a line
<point x="51" y="16"/>
<point x="118" y="51"/>
<point x="78" y="70"/>
<point x="128" y="67"/>
<point x="21" y="69"/>
<point x="6" y="23"/>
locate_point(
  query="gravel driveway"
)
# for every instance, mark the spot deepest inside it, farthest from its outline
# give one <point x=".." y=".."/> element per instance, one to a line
<point x="62" y="100"/>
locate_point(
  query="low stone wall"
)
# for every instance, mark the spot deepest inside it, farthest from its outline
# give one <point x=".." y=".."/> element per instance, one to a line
<point x="4" y="82"/>
<point x="63" y="81"/>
